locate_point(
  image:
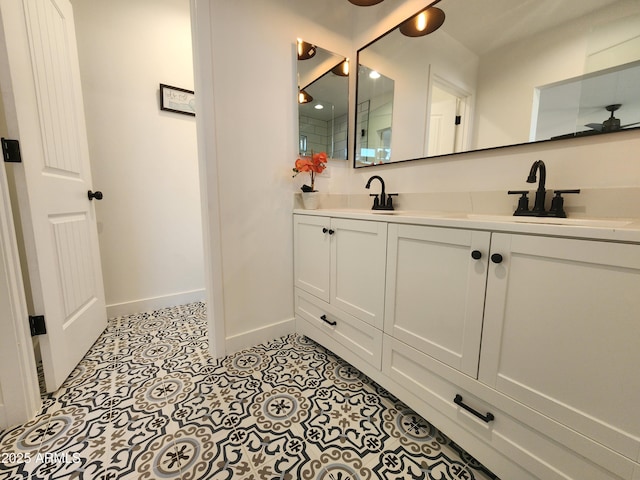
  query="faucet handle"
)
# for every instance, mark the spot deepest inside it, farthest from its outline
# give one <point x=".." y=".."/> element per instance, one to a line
<point x="557" y="203"/>
<point x="376" y="201"/>
<point x="390" y="200"/>
<point x="523" y="201"/>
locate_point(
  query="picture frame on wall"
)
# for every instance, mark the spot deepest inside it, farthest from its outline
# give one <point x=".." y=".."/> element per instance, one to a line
<point x="177" y="100"/>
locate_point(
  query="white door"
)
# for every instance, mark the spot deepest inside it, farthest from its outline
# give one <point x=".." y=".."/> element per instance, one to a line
<point x="43" y="101"/>
<point x="442" y="122"/>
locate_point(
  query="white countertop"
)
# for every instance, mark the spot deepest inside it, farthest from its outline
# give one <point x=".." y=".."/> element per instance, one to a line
<point x="607" y="229"/>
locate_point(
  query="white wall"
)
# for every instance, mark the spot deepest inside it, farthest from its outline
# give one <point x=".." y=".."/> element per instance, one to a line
<point x="143" y="159"/>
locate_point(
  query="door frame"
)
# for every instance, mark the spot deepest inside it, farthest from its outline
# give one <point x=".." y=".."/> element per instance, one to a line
<point x="202" y="38"/>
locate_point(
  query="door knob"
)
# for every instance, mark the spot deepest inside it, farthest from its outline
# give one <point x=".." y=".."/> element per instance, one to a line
<point x="97" y="195"/>
<point x="476" y="254"/>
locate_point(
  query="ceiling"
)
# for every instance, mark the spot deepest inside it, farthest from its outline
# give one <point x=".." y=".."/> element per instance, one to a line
<point x="482" y="25"/>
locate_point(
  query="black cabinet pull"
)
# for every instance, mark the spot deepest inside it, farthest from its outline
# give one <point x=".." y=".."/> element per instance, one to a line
<point x="496" y="258"/>
<point x="476" y="254"/>
<point x="324" y="319"/>
<point x="485" y="418"/>
<point x="327" y="230"/>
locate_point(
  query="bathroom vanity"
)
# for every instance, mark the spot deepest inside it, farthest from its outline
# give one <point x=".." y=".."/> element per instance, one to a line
<point x="519" y="340"/>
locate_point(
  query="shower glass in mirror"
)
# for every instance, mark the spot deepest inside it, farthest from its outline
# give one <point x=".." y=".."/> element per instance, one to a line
<point x="487" y="78"/>
<point x="323" y="121"/>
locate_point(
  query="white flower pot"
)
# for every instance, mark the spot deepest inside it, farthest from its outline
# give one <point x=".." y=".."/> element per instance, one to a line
<point x="310" y="200"/>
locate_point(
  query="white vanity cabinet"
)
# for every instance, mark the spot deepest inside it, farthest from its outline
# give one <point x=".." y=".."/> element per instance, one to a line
<point x="435" y="291"/>
<point x="524" y="347"/>
<point x="339" y="271"/>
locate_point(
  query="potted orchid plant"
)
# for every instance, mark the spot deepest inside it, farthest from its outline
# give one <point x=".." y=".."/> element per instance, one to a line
<point x="314" y="165"/>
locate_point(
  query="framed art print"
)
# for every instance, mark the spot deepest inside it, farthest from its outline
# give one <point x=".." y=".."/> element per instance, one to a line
<point x="178" y="100"/>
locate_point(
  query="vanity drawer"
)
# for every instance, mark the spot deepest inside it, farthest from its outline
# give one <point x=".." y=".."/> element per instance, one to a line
<point x="357" y="337"/>
<point x="428" y="385"/>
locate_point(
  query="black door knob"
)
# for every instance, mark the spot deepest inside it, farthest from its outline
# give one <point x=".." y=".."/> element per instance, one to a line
<point x="476" y="254"/>
<point x="496" y="258"/>
<point x="97" y="195"/>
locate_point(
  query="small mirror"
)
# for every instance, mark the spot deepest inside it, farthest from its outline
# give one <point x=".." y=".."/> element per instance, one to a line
<point x="323" y="101"/>
<point x="529" y="71"/>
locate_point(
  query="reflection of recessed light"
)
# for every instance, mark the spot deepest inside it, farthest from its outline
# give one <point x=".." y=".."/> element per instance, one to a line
<point x="374" y="74"/>
<point x="318" y="107"/>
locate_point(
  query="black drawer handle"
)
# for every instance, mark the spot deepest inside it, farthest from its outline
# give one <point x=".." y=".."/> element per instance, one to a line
<point x="485" y="418"/>
<point x="324" y="319"/>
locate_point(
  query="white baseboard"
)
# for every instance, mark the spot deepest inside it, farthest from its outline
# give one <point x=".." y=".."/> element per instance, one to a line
<point x="260" y="335"/>
<point x="155" y="303"/>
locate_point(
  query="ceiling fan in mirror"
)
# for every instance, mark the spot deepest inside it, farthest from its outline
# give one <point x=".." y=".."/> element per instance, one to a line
<point x="612" y="123"/>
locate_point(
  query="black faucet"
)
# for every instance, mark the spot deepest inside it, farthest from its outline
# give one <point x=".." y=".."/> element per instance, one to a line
<point x="384" y="202"/>
<point x="557" y="205"/>
<point x="538" y="205"/>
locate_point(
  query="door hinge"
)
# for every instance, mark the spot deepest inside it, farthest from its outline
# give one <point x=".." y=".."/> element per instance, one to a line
<point x="458" y="119"/>
<point x="37" y="325"/>
<point x="11" y="151"/>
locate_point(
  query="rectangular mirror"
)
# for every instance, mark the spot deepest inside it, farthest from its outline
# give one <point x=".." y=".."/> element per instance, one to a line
<point x="323" y="101"/>
<point x="529" y="71"/>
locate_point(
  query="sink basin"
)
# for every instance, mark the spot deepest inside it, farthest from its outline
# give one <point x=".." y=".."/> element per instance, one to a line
<point x="579" y="222"/>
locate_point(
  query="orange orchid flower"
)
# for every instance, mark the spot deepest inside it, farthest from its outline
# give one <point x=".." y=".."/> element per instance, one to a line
<point x="314" y="165"/>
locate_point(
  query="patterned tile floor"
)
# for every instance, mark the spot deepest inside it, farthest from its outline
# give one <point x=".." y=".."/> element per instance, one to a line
<point x="147" y="402"/>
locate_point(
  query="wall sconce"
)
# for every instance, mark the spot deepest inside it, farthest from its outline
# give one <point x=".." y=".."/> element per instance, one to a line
<point x="423" y="23"/>
<point x="342" y="69"/>
<point x="365" y="3"/>
<point x="304" y="97"/>
<point x="305" y="50"/>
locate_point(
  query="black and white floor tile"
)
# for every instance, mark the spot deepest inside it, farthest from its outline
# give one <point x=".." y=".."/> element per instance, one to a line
<point x="147" y="402"/>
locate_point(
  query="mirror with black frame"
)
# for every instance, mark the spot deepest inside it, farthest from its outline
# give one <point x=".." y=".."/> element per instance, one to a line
<point x="497" y="74"/>
<point x="323" y="101"/>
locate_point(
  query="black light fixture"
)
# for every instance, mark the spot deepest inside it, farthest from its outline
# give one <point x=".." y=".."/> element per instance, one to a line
<point x="423" y="23"/>
<point x="365" y="3"/>
<point x="304" y="97"/>
<point x="342" y="69"/>
<point x="306" y="50"/>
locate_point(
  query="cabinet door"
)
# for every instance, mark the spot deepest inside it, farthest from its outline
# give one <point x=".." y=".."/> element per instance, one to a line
<point x="312" y="250"/>
<point x="562" y="333"/>
<point x="358" y="257"/>
<point x="435" y="292"/>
